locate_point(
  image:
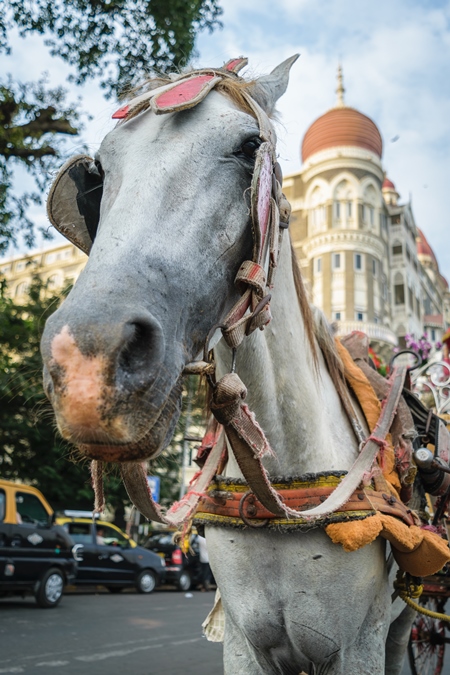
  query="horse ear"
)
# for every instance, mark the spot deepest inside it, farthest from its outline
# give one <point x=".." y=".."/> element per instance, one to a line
<point x="269" y="88"/>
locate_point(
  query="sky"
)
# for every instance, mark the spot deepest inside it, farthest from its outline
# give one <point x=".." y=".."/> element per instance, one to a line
<point x="396" y="63"/>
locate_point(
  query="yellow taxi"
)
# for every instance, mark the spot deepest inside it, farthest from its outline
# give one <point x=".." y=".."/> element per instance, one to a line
<point x="36" y="556"/>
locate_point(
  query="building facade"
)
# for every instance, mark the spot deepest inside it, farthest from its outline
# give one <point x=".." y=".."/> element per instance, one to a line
<point x="365" y="262"/>
<point x="56" y="265"/>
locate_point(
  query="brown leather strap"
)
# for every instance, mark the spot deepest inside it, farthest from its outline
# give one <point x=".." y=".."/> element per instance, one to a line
<point x="233" y="504"/>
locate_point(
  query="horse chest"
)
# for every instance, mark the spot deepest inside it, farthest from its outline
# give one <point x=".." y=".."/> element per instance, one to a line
<point x="296" y="594"/>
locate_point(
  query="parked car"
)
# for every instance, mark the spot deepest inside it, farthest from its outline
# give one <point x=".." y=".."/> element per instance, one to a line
<point x="110" y="557"/>
<point x="36" y="556"/>
<point x="182" y="570"/>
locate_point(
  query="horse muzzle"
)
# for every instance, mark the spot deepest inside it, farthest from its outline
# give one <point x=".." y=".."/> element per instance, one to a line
<point x="97" y="378"/>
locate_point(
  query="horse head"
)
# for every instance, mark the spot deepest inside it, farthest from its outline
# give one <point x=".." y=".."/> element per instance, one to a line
<point x="163" y="209"/>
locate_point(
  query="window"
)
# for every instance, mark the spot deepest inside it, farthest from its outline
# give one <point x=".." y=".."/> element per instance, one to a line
<point x="359" y="316"/>
<point x="372" y="215"/>
<point x="108" y="536"/>
<point x="337" y="316"/>
<point x="80" y="532"/>
<point x="30" y="509"/>
<point x="318" y="265"/>
<point x="374" y="267"/>
<point x="397" y="249"/>
<point x="358" y="261"/>
<point x="338" y="210"/>
<point x="22" y="288"/>
<point x="417" y="306"/>
<point x="408" y="254"/>
<point x="411" y="298"/>
<point x="433" y="335"/>
<point x="336" y="261"/>
<point x="363" y="213"/>
<point x="349" y="209"/>
<point x="399" y="294"/>
<point x="396" y="220"/>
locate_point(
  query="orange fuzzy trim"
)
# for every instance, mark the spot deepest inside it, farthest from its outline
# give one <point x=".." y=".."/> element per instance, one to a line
<point x="419" y="552"/>
<point x="403" y="538"/>
<point x="356" y="533"/>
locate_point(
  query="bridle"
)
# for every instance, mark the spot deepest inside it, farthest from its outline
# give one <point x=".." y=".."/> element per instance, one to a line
<point x="270" y="212"/>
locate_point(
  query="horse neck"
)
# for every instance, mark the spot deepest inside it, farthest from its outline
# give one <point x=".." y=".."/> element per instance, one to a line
<point x="291" y="394"/>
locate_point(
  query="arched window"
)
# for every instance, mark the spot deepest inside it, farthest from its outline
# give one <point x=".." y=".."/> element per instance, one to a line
<point x="369" y="207"/>
<point x="22" y="288"/>
<point x="54" y="281"/>
<point x="317" y="211"/>
<point x="344" y="208"/>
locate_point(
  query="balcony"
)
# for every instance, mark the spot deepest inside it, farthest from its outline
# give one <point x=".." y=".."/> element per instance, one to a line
<point x="375" y="331"/>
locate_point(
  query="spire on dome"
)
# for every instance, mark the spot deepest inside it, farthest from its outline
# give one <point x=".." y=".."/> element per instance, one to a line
<point x="340" y="103"/>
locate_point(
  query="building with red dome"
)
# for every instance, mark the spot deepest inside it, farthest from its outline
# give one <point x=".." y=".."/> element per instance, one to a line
<point x="366" y="264"/>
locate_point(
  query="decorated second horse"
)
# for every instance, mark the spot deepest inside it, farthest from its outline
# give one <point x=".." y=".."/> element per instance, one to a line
<point x="191" y="269"/>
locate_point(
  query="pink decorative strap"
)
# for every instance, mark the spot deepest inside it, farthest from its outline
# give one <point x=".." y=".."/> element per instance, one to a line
<point x="235" y="65"/>
<point x="185" y="94"/>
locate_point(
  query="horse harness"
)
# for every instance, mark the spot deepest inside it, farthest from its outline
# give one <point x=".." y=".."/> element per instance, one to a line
<point x="310" y="501"/>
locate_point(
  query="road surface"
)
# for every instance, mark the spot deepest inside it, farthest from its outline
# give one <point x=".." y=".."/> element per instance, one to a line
<point x="98" y="633"/>
<point x="106" y="634"/>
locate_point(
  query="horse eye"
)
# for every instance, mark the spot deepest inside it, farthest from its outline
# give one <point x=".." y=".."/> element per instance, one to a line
<point x="250" y="148"/>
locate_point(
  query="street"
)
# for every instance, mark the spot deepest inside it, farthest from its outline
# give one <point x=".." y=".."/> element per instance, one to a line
<point x="106" y="634"/>
<point x="109" y="634"/>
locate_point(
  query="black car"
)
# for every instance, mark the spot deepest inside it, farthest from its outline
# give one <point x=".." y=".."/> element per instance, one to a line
<point x="110" y="557"/>
<point x="182" y="570"/>
<point x="36" y="556"/>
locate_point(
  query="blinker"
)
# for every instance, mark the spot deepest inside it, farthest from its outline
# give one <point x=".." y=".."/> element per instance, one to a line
<point x="73" y="204"/>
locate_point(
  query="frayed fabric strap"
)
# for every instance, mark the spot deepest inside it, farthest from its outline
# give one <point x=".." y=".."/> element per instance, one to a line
<point x="249" y="445"/>
<point x="135" y="481"/>
<point x="97" y="485"/>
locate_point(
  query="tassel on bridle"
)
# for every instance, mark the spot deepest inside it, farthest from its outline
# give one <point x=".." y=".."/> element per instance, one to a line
<point x="97" y="485"/>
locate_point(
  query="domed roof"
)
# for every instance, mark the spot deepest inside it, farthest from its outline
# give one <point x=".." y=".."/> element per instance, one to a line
<point x="342" y="126"/>
<point x="388" y="184"/>
<point x="424" y="248"/>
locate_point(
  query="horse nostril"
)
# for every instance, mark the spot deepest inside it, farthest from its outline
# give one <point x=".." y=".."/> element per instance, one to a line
<point x="142" y="348"/>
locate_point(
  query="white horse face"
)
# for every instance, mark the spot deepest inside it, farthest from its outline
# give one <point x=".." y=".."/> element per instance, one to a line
<point x="174" y="228"/>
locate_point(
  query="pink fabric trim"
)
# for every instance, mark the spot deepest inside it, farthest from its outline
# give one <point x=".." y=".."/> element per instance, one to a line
<point x="121" y="113"/>
<point x="182" y="93"/>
